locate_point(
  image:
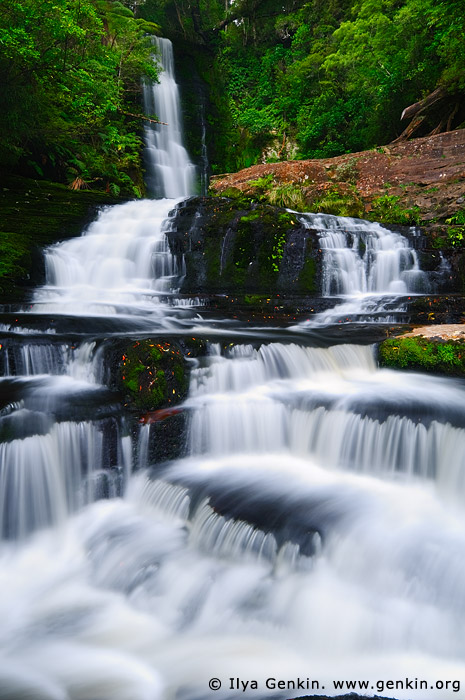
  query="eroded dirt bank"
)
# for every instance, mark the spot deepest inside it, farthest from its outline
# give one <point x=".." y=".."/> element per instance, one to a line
<point x="424" y="176"/>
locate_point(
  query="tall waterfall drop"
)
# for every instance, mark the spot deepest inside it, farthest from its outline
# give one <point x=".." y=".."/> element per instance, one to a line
<point x="170" y="171"/>
<point x="303" y="535"/>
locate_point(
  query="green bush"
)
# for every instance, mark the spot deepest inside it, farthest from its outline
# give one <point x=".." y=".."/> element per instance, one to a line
<point x="421" y="354"/>
<point x="339" y="203"/>
<point x="287" y="195"/>
<point x="456" y="234"/>
<point x="387" y="210"/>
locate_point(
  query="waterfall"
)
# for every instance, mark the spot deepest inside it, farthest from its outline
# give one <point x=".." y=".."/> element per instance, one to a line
<point x="121" y="268"/>
<point x="333" y="407"/>
<point x="122" y="264"/>
<point x="313" y="531"/>
<point x="170" y="172"/>
<point x="367" y="264"/>
<point x="361" y="257"/>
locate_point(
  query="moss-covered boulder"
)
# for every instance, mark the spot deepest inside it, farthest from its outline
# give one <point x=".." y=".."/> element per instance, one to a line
<point x="242" y="246"/>
<point x="153" y="374"/>
<point x="424" y="354"/>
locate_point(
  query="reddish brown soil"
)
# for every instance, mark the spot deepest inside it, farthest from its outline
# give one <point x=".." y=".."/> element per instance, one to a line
<point x="427" y="172"/>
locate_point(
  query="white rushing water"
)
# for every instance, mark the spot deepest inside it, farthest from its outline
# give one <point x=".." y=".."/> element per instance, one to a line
<point x="366" y="264"/>
<point x="121" y="265"/>
<point x="313" y="532"/>
<point x="364" y="257"/>
<point x="170" y="171"/>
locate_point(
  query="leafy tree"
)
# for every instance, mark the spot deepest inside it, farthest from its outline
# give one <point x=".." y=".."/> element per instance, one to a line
<point x="69" y="70"/>
<point x="333" y="75"/>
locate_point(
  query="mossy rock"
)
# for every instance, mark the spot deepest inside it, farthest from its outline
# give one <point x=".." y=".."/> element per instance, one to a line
<point x="153" y="374"/>
<point x="243" y="248"/>
<point x="426" y="355"/>
<point x="34" y="214"/>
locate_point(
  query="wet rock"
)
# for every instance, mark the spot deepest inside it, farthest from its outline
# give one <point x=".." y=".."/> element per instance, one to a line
<point x="153" y="374"/>
<point x="441" y="308"/>
<point x="242" y="246"/>
<point x="167" y="439"/>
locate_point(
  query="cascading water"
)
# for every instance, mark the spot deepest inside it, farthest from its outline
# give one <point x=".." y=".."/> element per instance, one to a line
<point x="368" y="264"/>
<point x="313" y="532"/>
<point x="361" y="257"/>
<point x="121" y="265"/>
<point x="170" y="171"/>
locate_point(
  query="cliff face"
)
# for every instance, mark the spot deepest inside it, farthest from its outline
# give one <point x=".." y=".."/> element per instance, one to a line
<point x="417" y="181"/>
<point x="35" y="214"/>
<point x="243" y="247"/>
<point x="259" y="262"/>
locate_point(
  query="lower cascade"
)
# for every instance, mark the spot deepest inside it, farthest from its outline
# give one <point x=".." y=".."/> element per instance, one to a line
<point x="306" y="540"/>
<point x="367" y="265"/>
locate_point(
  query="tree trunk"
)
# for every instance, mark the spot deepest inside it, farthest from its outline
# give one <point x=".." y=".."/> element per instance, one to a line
<point x="412" y="127"/>
<point x="420" y="106"/>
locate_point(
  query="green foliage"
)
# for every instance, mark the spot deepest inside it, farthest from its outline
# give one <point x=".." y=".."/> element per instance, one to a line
<point x="262" y="183"/>
<point x="153" y="374"/>
<point x="69" y="70"/>
<point x="287" y="195"/>
<point x="328" y="77"/>
<point x="456" y="234"/>
<point x="387" y="210"/>
<point x="332" y="77"/>
<point x="253" y="216"/>
<point x="253" y="299"/>
<point x="421" y="354"/>
<point x="14" y="256"/>
<point x="340" y="203"/>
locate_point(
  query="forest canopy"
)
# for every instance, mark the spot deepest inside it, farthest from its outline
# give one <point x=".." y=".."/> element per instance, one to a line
<point x="297" y="79"/>
<point x="327" y="76"/>
<point x="69" y="70"/>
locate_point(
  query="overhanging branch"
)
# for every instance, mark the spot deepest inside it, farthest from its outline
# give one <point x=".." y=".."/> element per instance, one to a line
<point x="142" y="116"/>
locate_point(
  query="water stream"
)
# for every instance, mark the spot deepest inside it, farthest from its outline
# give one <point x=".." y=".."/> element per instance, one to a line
<point x="314" y="528"/>
<point x="366" y="265"/>
<point x="170" y="171"/>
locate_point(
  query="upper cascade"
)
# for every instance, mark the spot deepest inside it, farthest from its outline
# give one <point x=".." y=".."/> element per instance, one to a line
<point x="121" y="265"/>
<point x="170" y="172"/>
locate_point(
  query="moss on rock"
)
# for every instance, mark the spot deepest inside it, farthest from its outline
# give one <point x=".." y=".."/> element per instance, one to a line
<point x="427" y="355"/>
<point x="153" y="374"/>
<point x="33" y="214"/>
<point x="308" y="277"/>
<point x="243" y="247"/>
